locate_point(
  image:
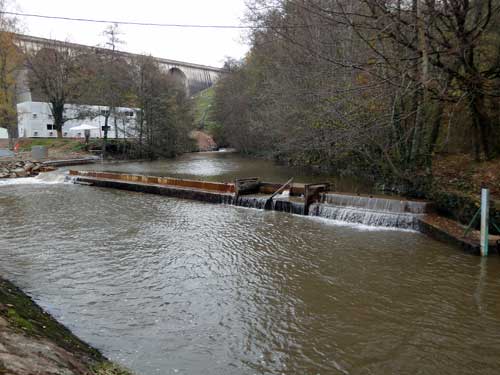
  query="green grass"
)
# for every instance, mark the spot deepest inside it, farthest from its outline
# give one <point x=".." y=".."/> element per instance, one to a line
<point x="19" y="321"/>
<point x="203" y="108"/>
<point x="52" y="143"/>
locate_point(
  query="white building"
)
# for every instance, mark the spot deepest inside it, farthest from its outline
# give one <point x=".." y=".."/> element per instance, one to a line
<point x="35" y="120"/>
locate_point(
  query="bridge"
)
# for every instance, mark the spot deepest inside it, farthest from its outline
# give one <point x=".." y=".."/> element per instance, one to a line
<point x="195" y="77"/>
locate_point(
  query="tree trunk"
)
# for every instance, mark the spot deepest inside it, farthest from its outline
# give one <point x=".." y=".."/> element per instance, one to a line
<point x="124" y="148"/>
<point x="57" y="109"/>
<point x="435" y="128"/>
<point x="105" y="137"/>
<point x="482" y="124"/>
<point x="141" y="131"/>
<point x="10" y="135"/>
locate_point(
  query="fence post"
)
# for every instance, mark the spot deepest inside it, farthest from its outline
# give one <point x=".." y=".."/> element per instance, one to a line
<point x="485" y="205"/>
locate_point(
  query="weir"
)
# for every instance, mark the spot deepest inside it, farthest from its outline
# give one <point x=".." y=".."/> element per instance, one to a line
<point x="370" y="210"/>
<point x="366" y="216"/>
<point x="295" y="198"/>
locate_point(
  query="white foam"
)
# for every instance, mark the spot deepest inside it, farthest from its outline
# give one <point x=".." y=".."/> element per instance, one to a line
<point x="358" y="226"/>
<point x="48" y="178"/>
<point x="337" y="223"/>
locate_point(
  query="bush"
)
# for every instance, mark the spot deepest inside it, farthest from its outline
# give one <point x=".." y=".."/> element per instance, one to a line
<point x="462" y="208"/>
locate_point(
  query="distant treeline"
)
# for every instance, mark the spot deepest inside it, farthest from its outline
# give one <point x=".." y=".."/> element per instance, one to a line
<point x="377" y="84"/>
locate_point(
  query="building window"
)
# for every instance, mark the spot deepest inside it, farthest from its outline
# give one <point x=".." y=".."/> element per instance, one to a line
<point x="104" y="112"/>
<point x="51" y="134"/>
<point x="130" y="114"/>
<point x="35" y="134"/>
<point x="104" y="128"/>
<point x="50" y="127"/>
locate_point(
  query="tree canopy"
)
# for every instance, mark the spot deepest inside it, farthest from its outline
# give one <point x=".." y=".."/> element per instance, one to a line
<point x="383" y="84"/>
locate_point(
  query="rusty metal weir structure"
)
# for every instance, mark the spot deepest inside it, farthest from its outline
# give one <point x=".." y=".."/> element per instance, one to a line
<point x="302" y="199"/>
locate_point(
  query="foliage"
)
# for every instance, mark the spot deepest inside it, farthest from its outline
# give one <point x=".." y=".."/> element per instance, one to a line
<point x="62" y="74"/>
<point x="204" y="116"/>
<point x="112" y="81"/>
<point x="462" y="207"/>
<point x="367" y="81"/>
<point x="203" y="108"/>
<point x="164" y="112"/>
<point x="10" y="62"/>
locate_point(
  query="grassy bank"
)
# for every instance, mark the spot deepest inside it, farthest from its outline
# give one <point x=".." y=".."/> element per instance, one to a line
<point x="55" y="144"/>
<point x="204" y="116"/>
<point x="31" y="339"/>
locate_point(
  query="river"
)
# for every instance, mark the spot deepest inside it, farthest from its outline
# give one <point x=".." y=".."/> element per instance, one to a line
<point x="226" y="166"/>
<point x="167" y="286"/>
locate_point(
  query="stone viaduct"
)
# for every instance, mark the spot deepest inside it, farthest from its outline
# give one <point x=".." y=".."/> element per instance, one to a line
<point x="195" y="77"/>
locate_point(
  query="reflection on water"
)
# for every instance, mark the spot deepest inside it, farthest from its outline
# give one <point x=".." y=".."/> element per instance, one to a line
<point x="225" y="167"/>
<point x="168" y="286"/>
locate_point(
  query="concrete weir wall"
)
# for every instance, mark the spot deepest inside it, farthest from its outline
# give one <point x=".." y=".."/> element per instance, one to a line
<point x="368" y="210"/>
<point x="204" y="191"/>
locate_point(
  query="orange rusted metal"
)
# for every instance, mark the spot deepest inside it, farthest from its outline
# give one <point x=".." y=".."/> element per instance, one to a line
<point x="188" y="184"/>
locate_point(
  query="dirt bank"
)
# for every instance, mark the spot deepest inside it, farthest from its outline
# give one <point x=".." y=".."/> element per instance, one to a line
<point x="32" y="342"/>
<point x="203" y="141"/>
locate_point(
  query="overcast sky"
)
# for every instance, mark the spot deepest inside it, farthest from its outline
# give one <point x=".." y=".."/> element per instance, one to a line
<point x="202" y="46"/>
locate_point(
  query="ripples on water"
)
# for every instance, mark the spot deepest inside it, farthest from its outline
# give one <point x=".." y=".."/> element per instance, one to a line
<point x="171" y="286"/>
<point x="225" y="167"/>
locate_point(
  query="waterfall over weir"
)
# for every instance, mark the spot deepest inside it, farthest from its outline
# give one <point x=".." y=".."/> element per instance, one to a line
<point x="303" y="199"/>
<point x="277" y="204"/>
<point x="382" y="212"/>
<point x="365" y="216"/>
<point x="376" y="203"/>
<point x="378" y="212"/>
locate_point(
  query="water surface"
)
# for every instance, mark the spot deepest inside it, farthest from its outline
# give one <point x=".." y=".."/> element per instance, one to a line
<point x="227" y="166"/>
<point x="167" y="286"/>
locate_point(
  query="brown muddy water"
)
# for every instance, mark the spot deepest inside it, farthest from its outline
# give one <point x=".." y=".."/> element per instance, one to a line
<point x="167" y="286"/>
<point x="226" y="166"/>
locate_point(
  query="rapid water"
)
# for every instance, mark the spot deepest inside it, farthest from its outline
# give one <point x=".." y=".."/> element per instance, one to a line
<point x="167" y="286"/>
<point x="50" y="178"/>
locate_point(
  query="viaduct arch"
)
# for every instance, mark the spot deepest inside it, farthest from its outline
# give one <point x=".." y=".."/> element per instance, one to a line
<point x="195" y="77"/>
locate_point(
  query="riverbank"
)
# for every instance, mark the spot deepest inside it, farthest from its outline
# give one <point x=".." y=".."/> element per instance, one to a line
<point x="63" y="148"/>
<point x="33" y="342"/>
<point x="457" y="183"/>
<point x="454" y="186"/>
<point x="20" y="168"/>
<point x="188" y="287"/>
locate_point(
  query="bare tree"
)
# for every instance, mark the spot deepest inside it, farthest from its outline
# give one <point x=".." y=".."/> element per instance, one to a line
<point x="368" y="82"/>
<point x="57" y="74"/>
<point x="113" y="81"/>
